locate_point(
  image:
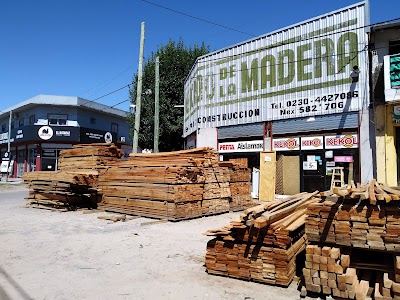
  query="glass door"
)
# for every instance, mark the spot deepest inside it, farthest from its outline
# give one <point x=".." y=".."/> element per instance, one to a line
<point x="312" y="171"/>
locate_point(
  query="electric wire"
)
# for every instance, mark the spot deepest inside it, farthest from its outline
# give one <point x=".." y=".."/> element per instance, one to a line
<point x="292" y="42"/>
<point x="199" y="19"/>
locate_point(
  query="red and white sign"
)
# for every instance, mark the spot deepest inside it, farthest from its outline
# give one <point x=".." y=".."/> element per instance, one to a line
<point x="312" y="143"/>
<point x="341" y="141"/>
<point x="286" y="144"/>
<point x="245" y="146"/>
<point x="345" y="159"/>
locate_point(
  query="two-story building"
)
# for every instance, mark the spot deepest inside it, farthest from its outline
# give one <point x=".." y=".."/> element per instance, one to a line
<point x="302" y="91"/>
<point x="385" y="96"/>
<point x="37" y="129"/>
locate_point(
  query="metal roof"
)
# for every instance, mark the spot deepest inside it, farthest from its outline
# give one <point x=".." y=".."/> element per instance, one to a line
<point x="57" y="100"/>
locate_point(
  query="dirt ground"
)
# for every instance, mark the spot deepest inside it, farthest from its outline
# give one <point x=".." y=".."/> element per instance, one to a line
<point x="75" y="255"/>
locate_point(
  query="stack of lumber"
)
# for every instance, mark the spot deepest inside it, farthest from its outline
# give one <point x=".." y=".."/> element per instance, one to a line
<point x="239" y="184"/>
<point x="86" y="157"/>
<point x="361" y="225"/>
<point x="365" y="218"/>
<point x="370" y="192"/>
<point x="170" y="185"/>
<point x="264" y="244"/>
<point x="331" y="272"/>
<point x="62" y="190"/>
<point x="74" y="184"/>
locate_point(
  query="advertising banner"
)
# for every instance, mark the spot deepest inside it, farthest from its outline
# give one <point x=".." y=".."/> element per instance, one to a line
<point x="316" y="67"/>
<point x="341" y="141"/>
<point x="245" y="146"/>
<point x="286" y="144"/>
<point x="312" y="143"/>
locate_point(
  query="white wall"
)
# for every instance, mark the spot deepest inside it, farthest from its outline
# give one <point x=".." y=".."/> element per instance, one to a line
<point x="207" y="137"/>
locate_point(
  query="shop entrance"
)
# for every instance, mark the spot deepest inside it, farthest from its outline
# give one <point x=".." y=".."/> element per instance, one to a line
<point x="312" y="167"/>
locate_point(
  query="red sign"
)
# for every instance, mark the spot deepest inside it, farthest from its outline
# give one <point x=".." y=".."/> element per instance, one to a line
<point x="286" y="144"/>
<point x="345" y="159"/>
<point x="226" y="147"/>
<point x="341" y="141"/>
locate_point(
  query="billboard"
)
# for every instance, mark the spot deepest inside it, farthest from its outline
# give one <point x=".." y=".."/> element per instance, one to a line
<point x="315" y="67"/>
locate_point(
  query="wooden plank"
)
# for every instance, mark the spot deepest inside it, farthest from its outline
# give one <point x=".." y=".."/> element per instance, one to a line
<point x="267" y="176"/>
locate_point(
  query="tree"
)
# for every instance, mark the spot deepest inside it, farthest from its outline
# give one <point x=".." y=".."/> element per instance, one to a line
<point x="176" y="61"/>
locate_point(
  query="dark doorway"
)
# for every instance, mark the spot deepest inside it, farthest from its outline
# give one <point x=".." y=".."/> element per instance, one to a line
<point x="312" y="167"/>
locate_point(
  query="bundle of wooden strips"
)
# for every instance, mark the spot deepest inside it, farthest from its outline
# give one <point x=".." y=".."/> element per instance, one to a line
<point x="61" y="190"/>
<point x="172" y="185"/>
<point x="239" y="185"/>
<point x="263" y="245"/>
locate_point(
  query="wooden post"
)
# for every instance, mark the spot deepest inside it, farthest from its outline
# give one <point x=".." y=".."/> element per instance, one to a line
<point x="138" y="93"/>
<point x="156" y="106"/>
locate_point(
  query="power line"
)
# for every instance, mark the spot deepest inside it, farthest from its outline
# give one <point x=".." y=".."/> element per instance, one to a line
<point x="199" y="19"/>
<point x="107" y="82"/>
<point x="121" y="102"/>
<point x="94" y="100"/>
<point x="292" y="42"/>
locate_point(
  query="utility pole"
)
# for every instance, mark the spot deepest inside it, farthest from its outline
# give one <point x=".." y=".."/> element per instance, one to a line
<point x="156" y="106"/>
<point x="138" y="93"/>
<point x="9" y="132"/>
<point x="9" y="144"/>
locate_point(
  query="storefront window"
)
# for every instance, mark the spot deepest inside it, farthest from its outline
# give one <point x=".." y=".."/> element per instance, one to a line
<point x="21" y="159"/>
<point x="32" y="159"/>
<point x="50" y="159"/>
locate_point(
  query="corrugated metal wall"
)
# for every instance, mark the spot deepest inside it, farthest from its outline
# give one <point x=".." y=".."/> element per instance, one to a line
<point x="301" y="70"/>
<point x="330" y="122"/>
<point x="240" y="131"/>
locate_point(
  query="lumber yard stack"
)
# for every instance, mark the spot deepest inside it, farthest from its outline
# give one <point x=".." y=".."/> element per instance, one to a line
<point x="239" y="184"/>
<point x="172" y="185"/>
<point x="62" y="190"/>
<point x="263" y="245"/>
<point x="75" y="183"/>
<point x="88" y="157"/>
<point x="354" y="237"/>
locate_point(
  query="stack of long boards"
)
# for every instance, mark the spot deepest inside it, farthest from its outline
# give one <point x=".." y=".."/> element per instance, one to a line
<point x="75" y="183"/>
<point x="170" y="185"/>
<point x="263" y="245"/>
<point x="331" y="272"/>
<point x="89" y="157"/>
<point x="240" y="185"/>
<point x="362" y="222"/>
<point x="62" y="190"/>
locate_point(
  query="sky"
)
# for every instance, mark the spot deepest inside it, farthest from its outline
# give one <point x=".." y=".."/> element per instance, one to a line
<point x="90" y="48"/>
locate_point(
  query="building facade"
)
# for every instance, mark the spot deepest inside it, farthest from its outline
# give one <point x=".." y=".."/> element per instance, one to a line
<point x="45" y="124"/>
<point x="385" y="93"/>
<point x="302" y="91"/>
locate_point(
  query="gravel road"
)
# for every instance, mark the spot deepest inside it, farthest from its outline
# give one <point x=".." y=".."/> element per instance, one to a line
<point x="74" y="255"/>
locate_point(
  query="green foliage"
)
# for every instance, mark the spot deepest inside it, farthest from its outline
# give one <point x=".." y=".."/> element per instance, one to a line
<point x="176" y="61"/>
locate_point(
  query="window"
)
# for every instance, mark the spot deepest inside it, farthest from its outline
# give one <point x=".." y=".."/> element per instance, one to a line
<point x="21" y="122"/>
<point x="57" y="119"/>
<point x="32" y="119"/>
<point x="3" y="127"/>
<point x="394" y="47"/>
<point x="114" y="127"/>
<point x="12" y="124"/>
<point x="92" y="120"/>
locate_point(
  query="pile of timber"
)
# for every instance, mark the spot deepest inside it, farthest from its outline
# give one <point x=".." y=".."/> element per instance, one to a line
<point x="61" y="190"/>
<point x="87" y="157"/>
<point x="264" y="244"/>
<point x="239" y="185"/>
<point x="356" y="275"/>
<point x="170" y="185"/>
<point x="363" y="217"/>
<point x="75" y="183"/>
<point x="363" y="222"/>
